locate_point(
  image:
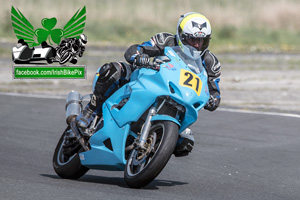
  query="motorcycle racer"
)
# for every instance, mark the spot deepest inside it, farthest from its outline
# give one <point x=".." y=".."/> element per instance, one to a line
<point x="193" y="29"/>
<point x="77" y="44"/>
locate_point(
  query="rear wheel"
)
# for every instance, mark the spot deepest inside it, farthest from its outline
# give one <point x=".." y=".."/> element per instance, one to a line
<point x="144" y="165"/>
<point x="66" y="162"/>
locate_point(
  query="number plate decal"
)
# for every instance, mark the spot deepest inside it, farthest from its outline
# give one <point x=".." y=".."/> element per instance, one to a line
<point x="190" y="80"/>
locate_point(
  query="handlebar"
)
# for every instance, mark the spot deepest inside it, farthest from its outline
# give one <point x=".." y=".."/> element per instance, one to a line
<point x="152" y="65"/>
<point x="155" y="65"/>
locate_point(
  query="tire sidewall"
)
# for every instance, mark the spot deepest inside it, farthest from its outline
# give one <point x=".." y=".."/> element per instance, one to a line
<point x="160" y="159"/>
<point x="71" y="170"/>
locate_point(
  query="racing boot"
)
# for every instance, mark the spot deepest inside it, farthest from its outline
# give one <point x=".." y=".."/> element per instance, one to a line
<point x="87" y="115"/>
<point x="185" y="143"/>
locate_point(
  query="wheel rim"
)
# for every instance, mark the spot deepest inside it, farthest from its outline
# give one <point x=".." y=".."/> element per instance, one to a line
<point x="61" y="158"/>
<point x="65" y="57"/>
<point x="140" y="159"/>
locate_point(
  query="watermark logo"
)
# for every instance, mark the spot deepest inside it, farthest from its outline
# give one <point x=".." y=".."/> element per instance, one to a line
<point x="42" y="72"/>
<point x="69" y="44"/>
<point x="34" y="37"/>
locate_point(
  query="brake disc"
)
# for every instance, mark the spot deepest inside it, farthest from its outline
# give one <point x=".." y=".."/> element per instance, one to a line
<point x="141" y="154"/>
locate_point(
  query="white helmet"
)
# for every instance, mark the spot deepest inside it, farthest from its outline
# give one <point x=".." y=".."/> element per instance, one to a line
<point x="193" y="29"/>
<point x="83" y="39"/>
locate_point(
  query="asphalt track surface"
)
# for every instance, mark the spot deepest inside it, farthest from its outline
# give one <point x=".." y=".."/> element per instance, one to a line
<point x="236" y="156"/>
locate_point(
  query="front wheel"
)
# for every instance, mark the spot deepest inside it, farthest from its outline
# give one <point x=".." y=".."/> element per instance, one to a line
<point x="66" y="162"/>
<point x="144" y="165"/>
<point x="65" y="57"/>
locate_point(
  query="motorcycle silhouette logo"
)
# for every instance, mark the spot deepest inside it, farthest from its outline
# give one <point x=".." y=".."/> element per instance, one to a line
<point x="29" y="37"/>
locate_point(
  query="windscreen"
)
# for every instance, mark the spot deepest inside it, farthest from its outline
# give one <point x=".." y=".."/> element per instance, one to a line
<point x="195" y="64"/>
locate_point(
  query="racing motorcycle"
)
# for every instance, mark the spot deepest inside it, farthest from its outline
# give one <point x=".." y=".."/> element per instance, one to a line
<point x="69" y="52"/>
<point x="138" y="128"/>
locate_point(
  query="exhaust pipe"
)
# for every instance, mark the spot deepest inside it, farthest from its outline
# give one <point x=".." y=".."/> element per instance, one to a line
<point x="73" y="106"/>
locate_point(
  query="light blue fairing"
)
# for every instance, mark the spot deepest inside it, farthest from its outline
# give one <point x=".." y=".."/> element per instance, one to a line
<point x="143" y="89"/>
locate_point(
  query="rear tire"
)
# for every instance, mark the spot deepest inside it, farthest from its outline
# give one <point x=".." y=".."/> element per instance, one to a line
<point x="68" y="167"/>
<point x="141" y="170"/>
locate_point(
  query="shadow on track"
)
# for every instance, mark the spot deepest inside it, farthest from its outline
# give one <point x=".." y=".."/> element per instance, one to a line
<point x="120" y="181"/>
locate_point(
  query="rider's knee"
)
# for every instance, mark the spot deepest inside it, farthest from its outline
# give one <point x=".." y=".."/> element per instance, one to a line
<point x="104" y="72"/>
<point x="109" y="71"/>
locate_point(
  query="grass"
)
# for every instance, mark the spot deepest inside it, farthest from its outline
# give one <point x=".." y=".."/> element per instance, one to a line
<point x="238" y="25"/>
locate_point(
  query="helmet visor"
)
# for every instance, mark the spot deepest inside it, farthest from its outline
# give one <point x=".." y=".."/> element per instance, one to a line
<point x="199" y="43"/>
<point x="83" y="41"/>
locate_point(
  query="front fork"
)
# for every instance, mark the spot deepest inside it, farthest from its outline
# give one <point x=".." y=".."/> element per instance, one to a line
<point x="146" y="128"/>
<point x="140" y="143"/>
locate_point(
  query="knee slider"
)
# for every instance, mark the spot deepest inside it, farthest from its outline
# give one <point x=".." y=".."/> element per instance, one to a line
<point x="116" y="70"/>
<point x="104" y="72"/>
<point x="108" y="74"/>
<point x="110" y="71"/>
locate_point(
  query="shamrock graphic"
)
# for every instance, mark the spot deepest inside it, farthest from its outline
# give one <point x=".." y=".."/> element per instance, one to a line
<point x="43" y="34"/>
<point x="24" y="29"/>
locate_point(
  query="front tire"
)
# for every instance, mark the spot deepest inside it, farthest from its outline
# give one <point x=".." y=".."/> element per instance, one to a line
<point x="68" y="166"/>
<point x="143" y="167"/>
<point x="65" y="57"/>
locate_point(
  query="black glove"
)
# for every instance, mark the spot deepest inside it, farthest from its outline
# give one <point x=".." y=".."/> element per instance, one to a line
<point x="142" y="60"/>
<point x="212" y="104"/>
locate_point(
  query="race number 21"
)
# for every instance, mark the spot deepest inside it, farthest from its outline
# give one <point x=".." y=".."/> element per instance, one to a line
<point x="190" y="80"/>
